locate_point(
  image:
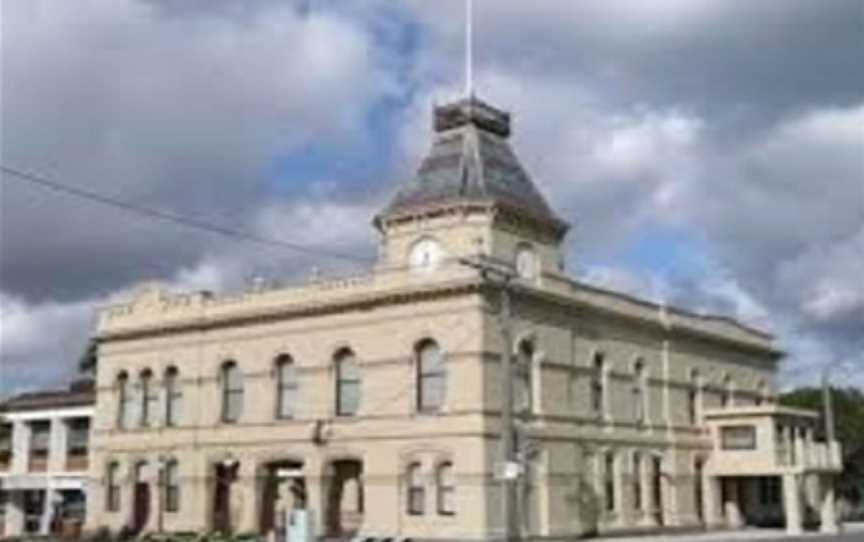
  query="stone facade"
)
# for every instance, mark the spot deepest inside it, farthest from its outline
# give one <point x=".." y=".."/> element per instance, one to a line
<point x="616" y="387"/>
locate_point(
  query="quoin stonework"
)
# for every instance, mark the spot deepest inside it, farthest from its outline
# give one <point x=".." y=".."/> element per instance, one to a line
<point x="374" y="401"/>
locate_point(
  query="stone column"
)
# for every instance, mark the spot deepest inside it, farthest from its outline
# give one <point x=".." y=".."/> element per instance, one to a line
<point x="734" y="517"/>
<point x="713" y="502"/>
<point x="828" y="506"/>
<point x="57" y="445"/>
<point x="244" y="492"/>
<point x="47" y="511"/>
<point x="20" y="447"/>
<point x="792" y="504"/>
<point x="648" y="515"/>
<point x="15" y="513"/>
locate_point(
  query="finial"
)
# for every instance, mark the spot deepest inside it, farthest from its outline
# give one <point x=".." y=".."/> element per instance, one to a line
<point x="469" y="48"/>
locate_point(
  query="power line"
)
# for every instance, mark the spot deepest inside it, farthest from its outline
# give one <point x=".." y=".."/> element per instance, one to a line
<point x="173" y="218"/>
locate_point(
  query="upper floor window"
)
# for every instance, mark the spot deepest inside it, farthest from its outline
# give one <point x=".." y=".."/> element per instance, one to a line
<point x="598" y="384"/>
<point x="5" y="445"/>
<point x="523" y="399"/>
<point x="726" y="393"/>
<point x="639" y="395"/>
<point x="40" y="439"/>
<point x="173" y="397"/>
<point x="112" y="483"/>
<point x="232" y="392"/>
<point x="446" y="486"/>
<point x="172" y="486"/>
<point x="693" y="396"/>
<point x="761" y="393"/>
<point x="347" y="383"/>
<point x="149" y="398"/>
<point x="416" y="490"/>
<point x="78" y="440"/>
<point x="431" y="376"/>
<point x="125" y="401"/>
<point x="286" y="387"/>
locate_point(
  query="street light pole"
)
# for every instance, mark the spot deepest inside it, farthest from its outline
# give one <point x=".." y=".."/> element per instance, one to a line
<point x="509" y="467"/>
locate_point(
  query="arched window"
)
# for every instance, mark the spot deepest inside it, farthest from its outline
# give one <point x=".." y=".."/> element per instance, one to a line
<point x="637" y="481"/>
<point x="639" y="395"/>
<point x="416" y="490"/>
<point x="609" y="480"/>
<point x="173" y="397"/>
<point x="598" y="384"/>
<point x="446" y="487"/>
<point x="347" y="383"/>
<point x="112" y="487"/>
<point x="232" y="392"/>
<point x="726" y="392"/>
<point x="172" y="486"/>
<point x="124" y="401"/>
<point x="286" y="387"/>
<point x="523" y="399"/>
<point x="149" y="398"/>
<point x="693" y="396"/>
<point x="431" y="377"/>
<point x="761" y="393"/>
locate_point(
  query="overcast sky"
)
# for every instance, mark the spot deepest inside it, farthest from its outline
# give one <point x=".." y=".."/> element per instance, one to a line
<point x="710" y="153"/>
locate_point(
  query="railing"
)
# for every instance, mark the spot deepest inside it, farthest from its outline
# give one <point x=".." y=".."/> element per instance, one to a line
<point x="77" y="462"/>
<point x="38" y="463"/>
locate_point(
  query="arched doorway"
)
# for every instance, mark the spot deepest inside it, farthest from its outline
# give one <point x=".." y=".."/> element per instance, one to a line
<point x="283" y="488"/>
<point x="225" y="474"/>
<point x="344" y="497"/>
<point x="140" y="497"/>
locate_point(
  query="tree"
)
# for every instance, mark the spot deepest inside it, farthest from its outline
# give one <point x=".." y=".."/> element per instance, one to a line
<point x="848" y="415"/>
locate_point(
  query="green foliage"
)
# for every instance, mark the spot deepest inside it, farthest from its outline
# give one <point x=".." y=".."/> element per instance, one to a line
<point x="848" y="414"/>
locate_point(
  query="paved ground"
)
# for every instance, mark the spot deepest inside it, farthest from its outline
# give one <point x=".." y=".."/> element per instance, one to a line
<point x="851" y="533"/>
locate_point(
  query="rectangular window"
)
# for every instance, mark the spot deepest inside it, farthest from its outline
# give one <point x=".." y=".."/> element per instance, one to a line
<point x="5" y="446"/>
<point x="40" y="444"/>
<point x="738" y="437"/>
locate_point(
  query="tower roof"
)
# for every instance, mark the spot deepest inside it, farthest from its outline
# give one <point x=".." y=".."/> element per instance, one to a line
<point x="472" y="162"/>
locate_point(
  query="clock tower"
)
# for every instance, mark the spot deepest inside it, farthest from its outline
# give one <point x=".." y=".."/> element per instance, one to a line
<point x="471" y="196"/>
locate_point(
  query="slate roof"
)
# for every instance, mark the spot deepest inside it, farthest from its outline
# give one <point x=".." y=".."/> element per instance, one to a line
<point x="471" y="160"/>
<point x="79" y="394"/>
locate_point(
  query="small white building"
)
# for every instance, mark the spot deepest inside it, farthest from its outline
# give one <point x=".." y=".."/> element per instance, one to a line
<point x="44" y="460"/>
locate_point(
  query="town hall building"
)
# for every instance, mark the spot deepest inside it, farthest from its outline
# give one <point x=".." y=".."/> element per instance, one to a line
<point x="374" y="403"/>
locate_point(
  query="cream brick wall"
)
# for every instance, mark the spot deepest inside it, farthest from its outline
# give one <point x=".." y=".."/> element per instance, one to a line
<point x="381" y="317"/>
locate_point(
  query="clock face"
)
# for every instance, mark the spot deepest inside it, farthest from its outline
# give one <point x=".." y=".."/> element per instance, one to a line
<point x="425" y="255"/>
<point x="526" y="263"/>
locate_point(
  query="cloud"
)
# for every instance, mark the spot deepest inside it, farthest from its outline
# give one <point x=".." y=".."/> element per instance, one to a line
<point x="708" y="152"/>
<point x="187" y="114"/>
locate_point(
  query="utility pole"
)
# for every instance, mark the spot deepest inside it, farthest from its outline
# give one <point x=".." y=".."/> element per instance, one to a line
<point x="828" y="406"/>
<point x="510" y="468"/>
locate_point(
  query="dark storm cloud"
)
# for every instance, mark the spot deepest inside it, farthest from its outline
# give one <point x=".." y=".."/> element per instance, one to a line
<point x="183" y="115"/>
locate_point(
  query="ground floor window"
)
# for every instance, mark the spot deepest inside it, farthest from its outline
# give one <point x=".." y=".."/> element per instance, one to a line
<point x="416" y="490"/>
<point x="172" y="486"/>
<point x="446" y="489"/>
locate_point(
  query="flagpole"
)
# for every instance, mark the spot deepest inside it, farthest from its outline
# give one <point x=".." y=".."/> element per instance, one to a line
<point x="469" y="48"/>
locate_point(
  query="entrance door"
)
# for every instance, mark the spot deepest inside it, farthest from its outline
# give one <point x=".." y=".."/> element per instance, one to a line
<point x="345" y="498"/>
<point x="224" y="477"/>
<point x="140" y="499"/>
<point x="283" y="490"/>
